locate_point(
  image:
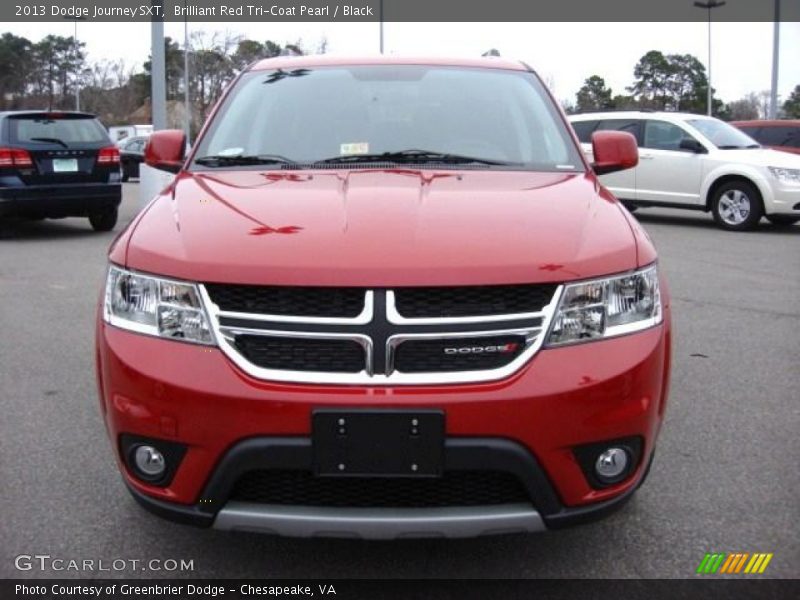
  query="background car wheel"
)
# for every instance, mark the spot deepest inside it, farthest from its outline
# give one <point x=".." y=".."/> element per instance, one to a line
<point x="783" y="220"/>
<point x="125" y="175"/>
<point x="104" y="220"/>
<point x="736" y="206"/>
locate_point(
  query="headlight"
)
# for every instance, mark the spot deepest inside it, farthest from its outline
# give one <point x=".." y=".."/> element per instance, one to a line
<point x="785" y="175"/>
<point x="155" y="306"/>
<point x="603" y="308"/>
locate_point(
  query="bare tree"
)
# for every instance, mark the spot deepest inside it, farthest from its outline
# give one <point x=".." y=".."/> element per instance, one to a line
<point x="744" y="109"/>
<point x="214" y="67"/>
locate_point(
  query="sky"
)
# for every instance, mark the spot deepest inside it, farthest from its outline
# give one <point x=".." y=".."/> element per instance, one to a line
<point x="564" y="54"/>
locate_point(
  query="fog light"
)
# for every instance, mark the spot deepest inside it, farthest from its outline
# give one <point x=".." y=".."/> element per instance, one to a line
<point x="149" y="461"/>
<point x="611" y="464"/>
<point x="152" y="461"/>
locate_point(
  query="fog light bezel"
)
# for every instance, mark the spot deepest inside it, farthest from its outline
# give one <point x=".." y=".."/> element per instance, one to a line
<point x="172" y="452"/>
<point x="588" y="454"/>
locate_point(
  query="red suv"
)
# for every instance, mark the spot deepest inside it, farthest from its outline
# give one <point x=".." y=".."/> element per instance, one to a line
<point x="384" y="298"/>
<point x="781" y="134"/>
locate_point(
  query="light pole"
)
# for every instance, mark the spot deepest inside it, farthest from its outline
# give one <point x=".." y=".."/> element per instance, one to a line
<point x="158" y="78"/>
<point x="380" y="9"/>
<point x="75" y="49"/>
<point x="711" y="4"/>
<point x="77" y="73"/>
<point x="776" y="46"/>
<point x="186" y="106"/>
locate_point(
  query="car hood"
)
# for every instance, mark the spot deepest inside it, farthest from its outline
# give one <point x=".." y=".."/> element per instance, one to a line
<point x="760" y="157"/>
<point x="382" y="228"/>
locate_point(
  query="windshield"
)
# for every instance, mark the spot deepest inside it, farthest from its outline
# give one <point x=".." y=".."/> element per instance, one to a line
<point x="56" y="129"/>
<point x="722" y="135"/>
<point x="411" y="114"/>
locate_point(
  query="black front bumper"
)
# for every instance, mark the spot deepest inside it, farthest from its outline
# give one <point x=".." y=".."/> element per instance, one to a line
<point x="68" y="200"/>
<point x="460" y="454"/>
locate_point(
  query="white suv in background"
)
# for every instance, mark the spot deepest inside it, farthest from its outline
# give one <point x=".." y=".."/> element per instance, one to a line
<point x="698" y="162"/>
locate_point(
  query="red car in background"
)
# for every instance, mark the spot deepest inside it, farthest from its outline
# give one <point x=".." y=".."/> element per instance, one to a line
<point x="781" y="135"/>
<point x="384" y="298"/>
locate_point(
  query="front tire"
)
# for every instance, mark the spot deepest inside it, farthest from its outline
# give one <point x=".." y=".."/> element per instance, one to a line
<point x="737" y="206"/>
<point x="783" y="220"/>
<point x="104" y="220"/>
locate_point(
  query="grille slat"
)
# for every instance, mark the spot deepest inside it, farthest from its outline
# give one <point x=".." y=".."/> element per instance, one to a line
<point x="428" y="356"/>
<point x="344" y="303"/>
<point x="454" y="488"/>
<point x="302" y="354"/>
<point x="471" y="301"/>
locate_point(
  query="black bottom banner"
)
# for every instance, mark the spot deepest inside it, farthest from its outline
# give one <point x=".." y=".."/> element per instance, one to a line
<point x="376" y="589"/>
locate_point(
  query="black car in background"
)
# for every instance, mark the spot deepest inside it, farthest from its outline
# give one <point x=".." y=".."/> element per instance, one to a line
<point x="131" y="152"/>
<point x="58" y="164"/>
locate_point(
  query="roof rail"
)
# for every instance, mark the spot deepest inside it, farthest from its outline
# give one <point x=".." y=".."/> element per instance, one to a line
<point x="606" y="110"/>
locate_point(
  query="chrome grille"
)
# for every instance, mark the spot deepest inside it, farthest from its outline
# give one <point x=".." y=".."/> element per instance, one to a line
<point x="375" y="344"/>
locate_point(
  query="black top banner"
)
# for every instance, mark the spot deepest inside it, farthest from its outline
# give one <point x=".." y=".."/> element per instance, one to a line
<point x="400" y="10"/>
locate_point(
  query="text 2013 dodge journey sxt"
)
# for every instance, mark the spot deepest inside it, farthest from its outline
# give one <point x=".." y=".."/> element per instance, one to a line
<point x="384" y="298"/>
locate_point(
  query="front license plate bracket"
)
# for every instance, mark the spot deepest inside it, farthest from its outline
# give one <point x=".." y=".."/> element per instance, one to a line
<point x="378" y="443"/>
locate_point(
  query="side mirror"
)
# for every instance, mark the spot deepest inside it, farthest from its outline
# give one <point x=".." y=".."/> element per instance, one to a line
<point x="692" y="145"/>
<point x="165" y="150"/>
<point x="614" y="151"/>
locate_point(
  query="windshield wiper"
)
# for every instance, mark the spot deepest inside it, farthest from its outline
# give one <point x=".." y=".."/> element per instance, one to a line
<point x="226" y="160"/>
<point x="50" y="140"/>
<point x="413" y="156"/>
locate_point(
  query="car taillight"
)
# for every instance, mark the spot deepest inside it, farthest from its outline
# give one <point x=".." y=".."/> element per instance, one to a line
<point x="108" y="156"/>
<point x="15" y="157"/>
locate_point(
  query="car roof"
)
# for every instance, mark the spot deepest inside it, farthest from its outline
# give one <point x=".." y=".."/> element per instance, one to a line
<point x="10" y="113"/>
<point x="637" y="114"/>
<point x="327" y="60"/>
<point x="769" y="123"/>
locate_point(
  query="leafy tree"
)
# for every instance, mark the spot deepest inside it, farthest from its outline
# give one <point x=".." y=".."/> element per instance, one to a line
<point x="687" y="84"/>
<point x="14" y="73"/>
<point x="651" y="74"/>
<point x="173" y="65"/>
<point x="671" y="82"/>
<point x="247" y="51"/>
<point x="44" y="74"/>
<point x="623" y="102"/>
<point x="57" y="65"/>
<point x="791" y="107"/>
<point x="594" y="95"/>
<point x="271" y="49"/>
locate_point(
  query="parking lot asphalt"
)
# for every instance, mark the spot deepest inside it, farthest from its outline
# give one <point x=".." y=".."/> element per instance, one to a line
<point x="725" y="478"/>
